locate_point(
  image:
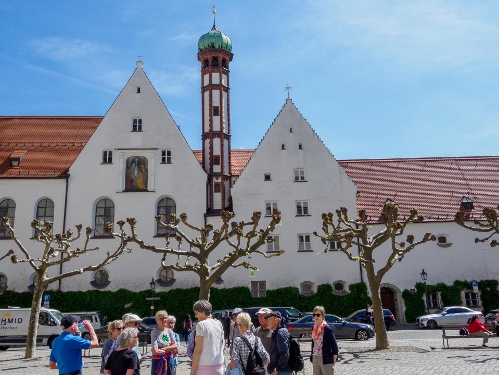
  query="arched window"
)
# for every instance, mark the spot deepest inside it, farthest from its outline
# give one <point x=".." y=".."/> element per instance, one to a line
<point x="45" y="210"/>
<point x="104" y="213"/>
<point x="7" y="208"/>
<point x="166" y="206"/>
<point x="100" y="279"/>
<point x="214" y="62"/>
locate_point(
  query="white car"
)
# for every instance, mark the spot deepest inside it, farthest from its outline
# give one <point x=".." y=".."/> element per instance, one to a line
<point x="447" y="315"/>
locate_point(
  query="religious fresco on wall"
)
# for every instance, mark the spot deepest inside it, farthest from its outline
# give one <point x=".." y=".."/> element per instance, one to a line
<point x="136" y="173"/>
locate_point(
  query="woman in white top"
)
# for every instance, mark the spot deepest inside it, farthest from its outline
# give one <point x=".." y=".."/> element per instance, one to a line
<point x="208" y="358"/>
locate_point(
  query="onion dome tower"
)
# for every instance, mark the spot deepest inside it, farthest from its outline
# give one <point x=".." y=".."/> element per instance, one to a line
<point x="215" y="54"/>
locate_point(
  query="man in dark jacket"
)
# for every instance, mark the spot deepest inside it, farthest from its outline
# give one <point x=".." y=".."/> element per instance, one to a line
<point x="279" y="348"/>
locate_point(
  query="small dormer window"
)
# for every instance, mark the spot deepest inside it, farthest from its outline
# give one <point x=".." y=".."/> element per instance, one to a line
<point x="466" y="203"/>
<point x="389" y="201"/>
<point x="16" y="157"/>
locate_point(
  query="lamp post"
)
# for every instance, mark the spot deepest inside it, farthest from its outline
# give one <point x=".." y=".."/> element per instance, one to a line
<point x="152" y="286"/>
<point x="424" y="277"/>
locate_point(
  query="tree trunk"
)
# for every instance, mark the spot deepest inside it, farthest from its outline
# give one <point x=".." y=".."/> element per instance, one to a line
<point x="204" y="288"/>
<point x="34" y="317"/>
<point x="379" y="320"/>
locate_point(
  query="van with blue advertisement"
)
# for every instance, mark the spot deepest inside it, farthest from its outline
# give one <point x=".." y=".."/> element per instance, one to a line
<point x="14" y="326"/>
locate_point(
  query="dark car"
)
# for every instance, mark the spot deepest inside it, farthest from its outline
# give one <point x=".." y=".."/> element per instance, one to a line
<point x="341" y="328"/>
<point x="150" y="322"/>
<point x="360" y="316"/>
<point x="290" y="314"/>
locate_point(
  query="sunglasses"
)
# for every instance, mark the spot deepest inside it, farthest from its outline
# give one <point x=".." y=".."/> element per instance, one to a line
<point x="119" y="329"/>
<point x="317" y="315"/>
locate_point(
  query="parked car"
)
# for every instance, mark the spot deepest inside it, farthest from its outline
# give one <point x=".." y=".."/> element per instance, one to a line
<point x="217" y="314"/>
<point x="341" y="328"/>
<point x="360" y="316"/>
<point x="290" y="314"/>
<point x="447" y="315"/>
<point x="150" y="321"/>
<point x="490" y="317"/>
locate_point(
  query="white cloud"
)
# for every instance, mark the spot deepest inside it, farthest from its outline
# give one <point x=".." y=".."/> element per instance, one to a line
<point x="62" y="49"/>
<point x="175" y="83"/>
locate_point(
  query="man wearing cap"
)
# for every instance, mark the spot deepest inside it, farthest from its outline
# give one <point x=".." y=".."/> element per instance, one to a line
<point x="66" y="348"/>
<point x="264" y="332"/>
<point x="130" y="321"/>
<point x="279" y="348"/>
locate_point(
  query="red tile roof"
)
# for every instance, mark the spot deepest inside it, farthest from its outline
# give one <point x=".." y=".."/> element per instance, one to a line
<point x="434" y="185"/>
<point x="50" y="144"/>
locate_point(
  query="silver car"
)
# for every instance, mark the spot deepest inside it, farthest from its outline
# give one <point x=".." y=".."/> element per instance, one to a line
<point x="447" y="315"/>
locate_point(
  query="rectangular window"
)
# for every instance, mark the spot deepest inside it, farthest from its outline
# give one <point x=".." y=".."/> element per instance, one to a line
<point x="137" y="125"/>
<point x="302" y="208"/>
<point x="300" y="174"/>
<point x="334" y="245"/>
<point x="304" y="243"/>
<point x="107" y="157"/>
<point x="216" y="159"/>
<point x="273" y="243"/>
<point x="266" y="177"/>
<point x="166" y="156"/>
<point x="216" y="110"/>
<point x="270" y="207"/>
<point x="432" y="301"/>
<point x="258" y="289"/>
<point x="217" y="188"/>
<point x="471" y="299"/>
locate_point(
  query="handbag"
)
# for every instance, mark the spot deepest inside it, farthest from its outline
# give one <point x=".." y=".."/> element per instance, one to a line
<point x="237" y="370"/>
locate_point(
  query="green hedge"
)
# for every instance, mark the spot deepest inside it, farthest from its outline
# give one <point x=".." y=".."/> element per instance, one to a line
<point x="450" y="295"/>
<point x="179" y="302"/>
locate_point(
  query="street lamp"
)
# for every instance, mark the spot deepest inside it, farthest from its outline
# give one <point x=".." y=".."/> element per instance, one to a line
<point x="424" y="277"/>
<point x="152" y="286"/>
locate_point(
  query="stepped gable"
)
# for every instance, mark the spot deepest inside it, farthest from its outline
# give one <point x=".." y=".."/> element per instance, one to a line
<point x="44" y="146"/>
<point x="434" y="185"/>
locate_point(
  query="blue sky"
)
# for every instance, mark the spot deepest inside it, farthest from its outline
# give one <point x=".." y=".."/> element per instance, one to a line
<point x="375" y="79"/>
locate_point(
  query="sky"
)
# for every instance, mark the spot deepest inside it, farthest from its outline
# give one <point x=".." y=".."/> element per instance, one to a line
<point x="374" y="79"/>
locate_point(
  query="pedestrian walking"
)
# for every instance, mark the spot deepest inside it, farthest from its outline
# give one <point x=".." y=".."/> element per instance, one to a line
<point x="226" y="321"/>
<point x="324" y="351"/>
<point x="187" y="327"/>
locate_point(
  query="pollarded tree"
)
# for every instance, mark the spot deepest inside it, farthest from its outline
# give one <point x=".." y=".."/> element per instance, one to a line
<point x="56" y="252"/>
<point x="244" y="239"/>
<point x="355" y="234"/>
<point x="489" y="225"/>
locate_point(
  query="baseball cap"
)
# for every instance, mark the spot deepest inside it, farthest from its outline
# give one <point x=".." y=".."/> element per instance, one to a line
<point x="68" y="320"/>
<point x="237" y="310"/>
<point x="273" y="313"/>
<point x="132" y="318"/>
<point x="263" y="310"/>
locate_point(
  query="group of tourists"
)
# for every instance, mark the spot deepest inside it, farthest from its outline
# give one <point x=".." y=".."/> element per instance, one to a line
<point x="266" y="349"/>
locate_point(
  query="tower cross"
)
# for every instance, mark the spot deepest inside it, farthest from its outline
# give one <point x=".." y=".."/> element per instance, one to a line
<point x="288" y="88"/>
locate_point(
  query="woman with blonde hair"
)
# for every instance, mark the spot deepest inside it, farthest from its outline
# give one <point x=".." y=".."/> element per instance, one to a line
<point x="124" y="360"/>
<point x="163" y="345"/>
<point x="324" y="347"/>
<point x="114" y="328"/>
<point x="244" y="343"/>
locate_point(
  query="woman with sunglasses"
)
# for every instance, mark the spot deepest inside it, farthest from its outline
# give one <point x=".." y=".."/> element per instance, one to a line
<point x="114" y="328"/>
<point x="324" y="347"/>
<point x="163" y="345"/>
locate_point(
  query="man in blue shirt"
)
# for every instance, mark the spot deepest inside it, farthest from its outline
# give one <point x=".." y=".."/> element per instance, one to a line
<point x="66" y="349"/>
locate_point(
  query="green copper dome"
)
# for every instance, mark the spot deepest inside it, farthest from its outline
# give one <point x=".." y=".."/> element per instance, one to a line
<point x="214" y="39"/>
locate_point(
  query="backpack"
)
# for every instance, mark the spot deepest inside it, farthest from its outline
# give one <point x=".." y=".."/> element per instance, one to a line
<point x="295" y="361"/>
<point x="191" y="344"/>
<point x="254" y="365"/>
<point x="463" y="332"/>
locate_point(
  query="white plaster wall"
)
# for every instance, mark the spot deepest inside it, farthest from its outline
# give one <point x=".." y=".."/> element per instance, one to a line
<point x="327" y="188"/>
<point x="183" y="180"/>
<point x="27" y="193"/>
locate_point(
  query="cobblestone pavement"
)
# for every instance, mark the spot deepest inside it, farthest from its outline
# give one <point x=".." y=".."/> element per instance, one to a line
<point x="413" y="352"/>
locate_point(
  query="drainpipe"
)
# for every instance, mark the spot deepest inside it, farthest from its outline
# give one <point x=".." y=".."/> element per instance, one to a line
<point x="64" y="224"/>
